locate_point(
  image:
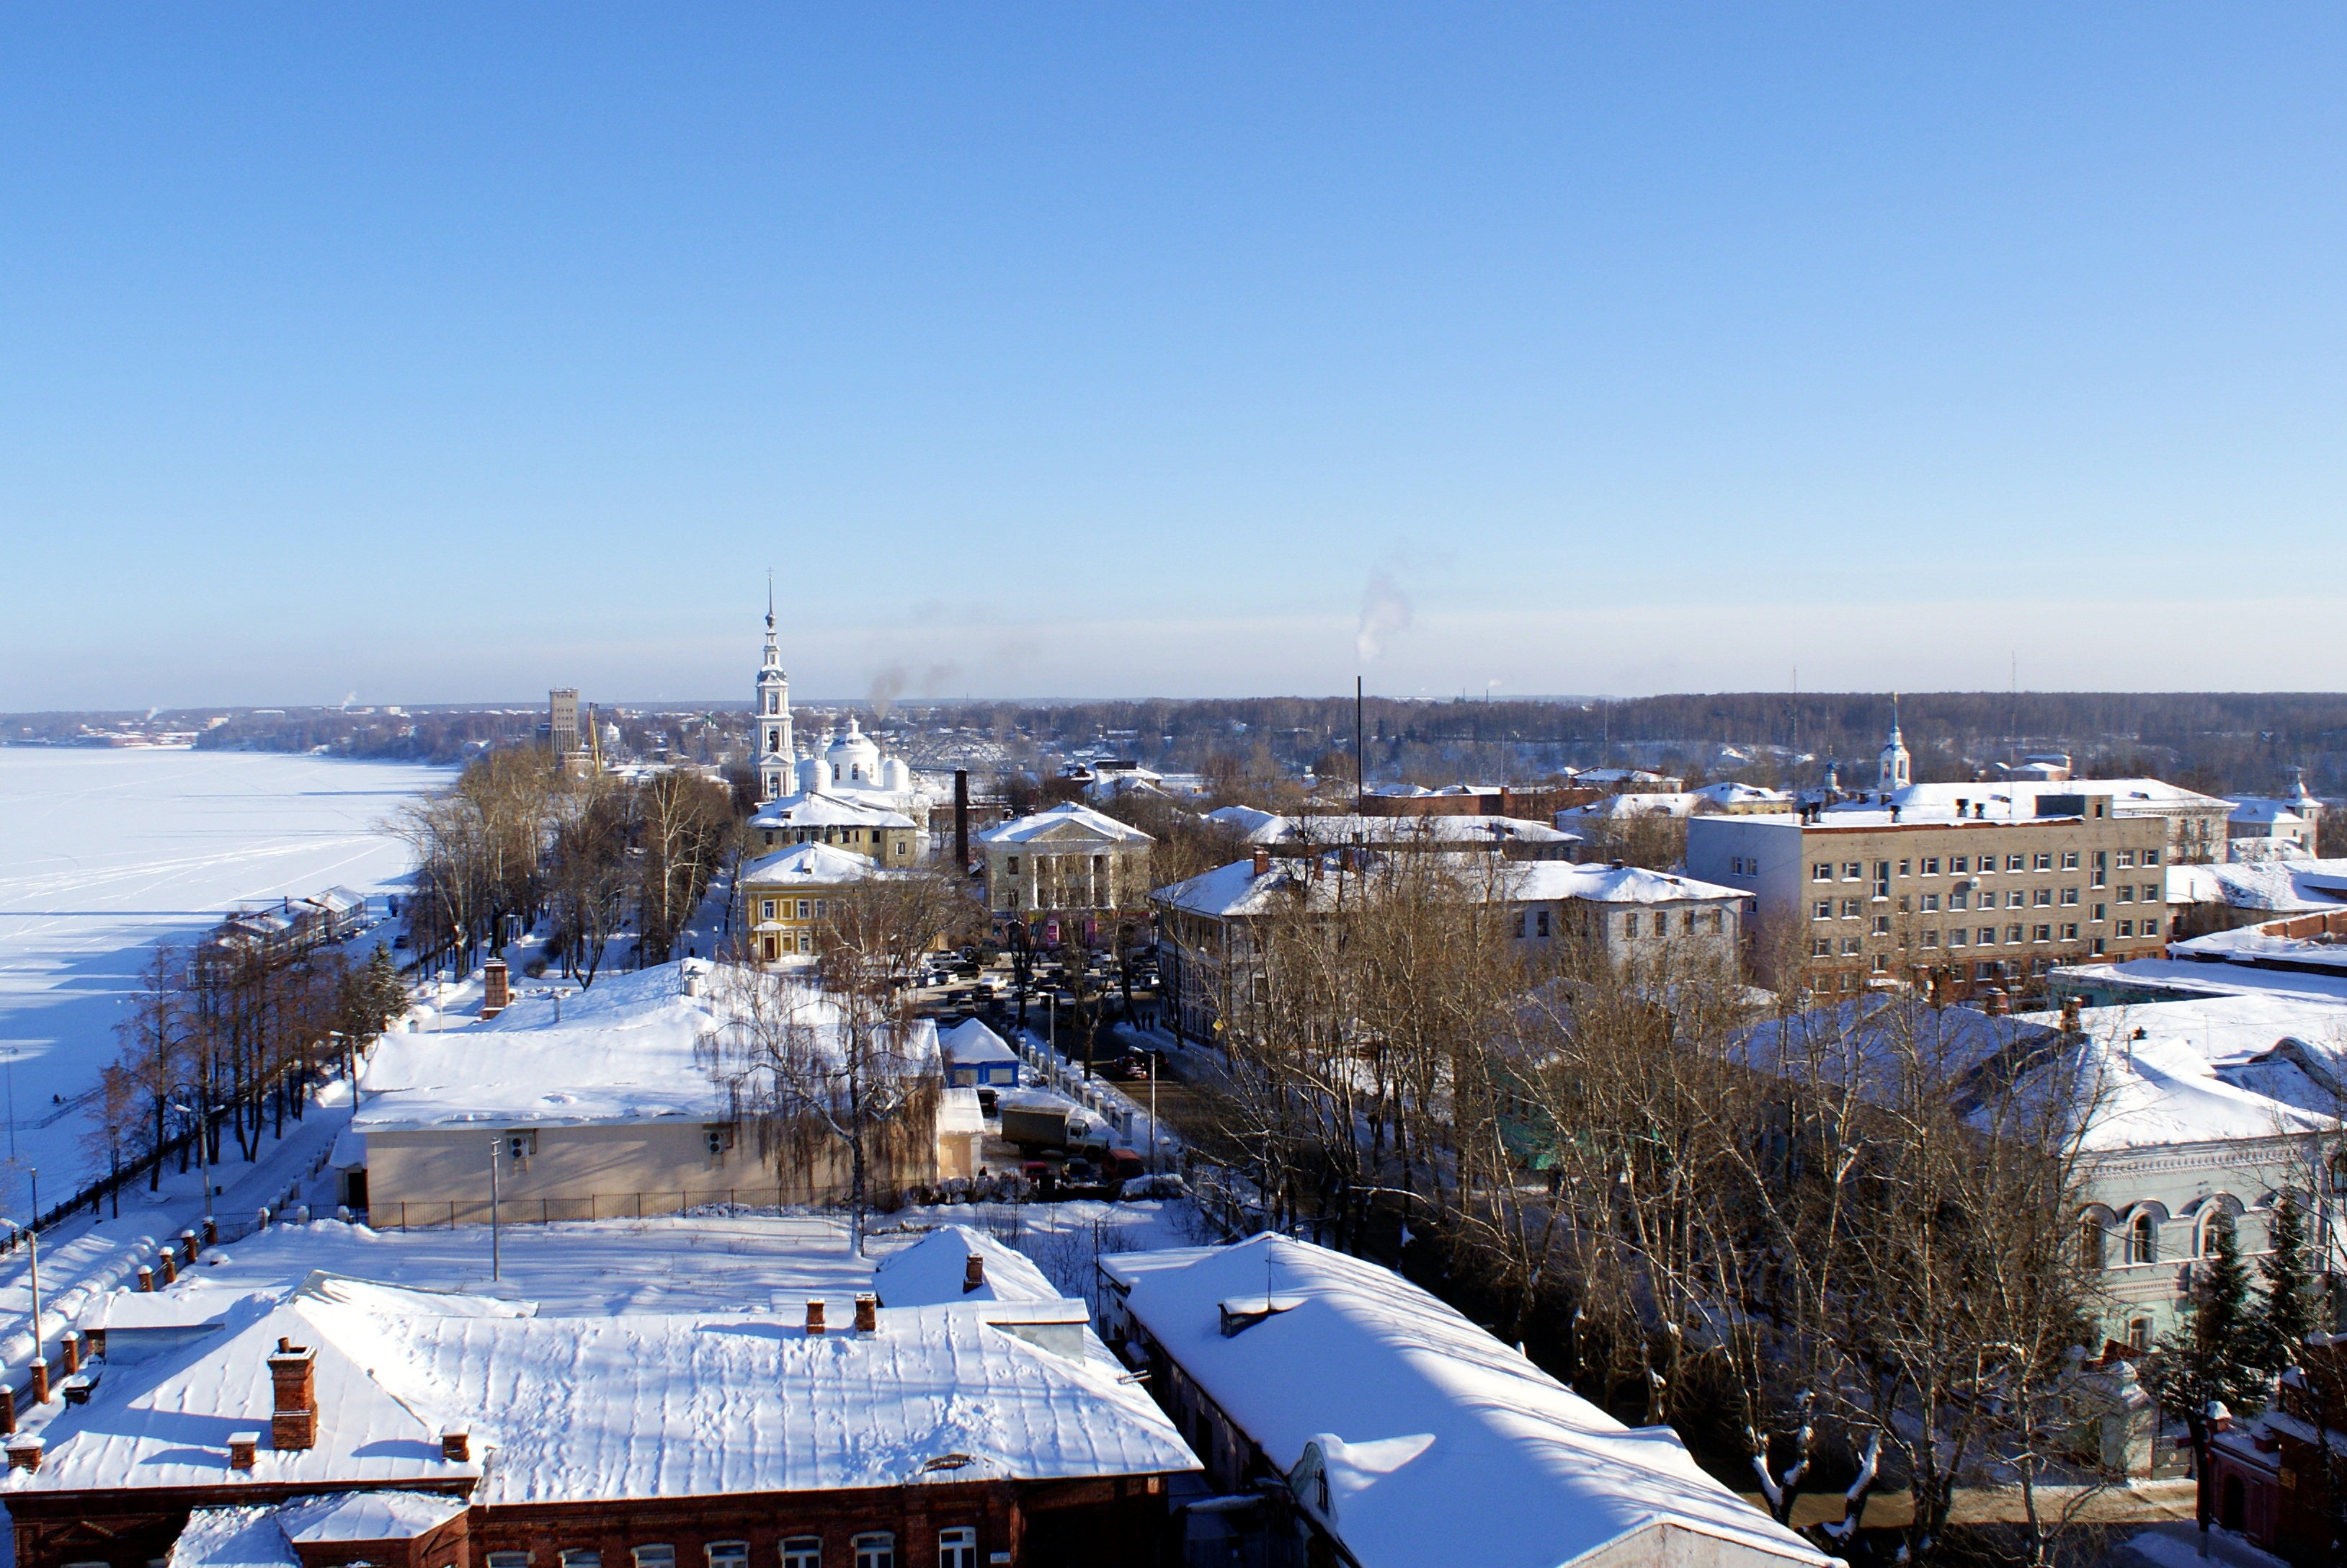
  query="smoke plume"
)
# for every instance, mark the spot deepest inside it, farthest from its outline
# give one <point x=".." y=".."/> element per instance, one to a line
<point x="1384" y="612"/>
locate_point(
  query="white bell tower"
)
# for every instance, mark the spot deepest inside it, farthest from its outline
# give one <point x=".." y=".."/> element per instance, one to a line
<point x="772" y="723"/>
<point x="1894" y="772"/>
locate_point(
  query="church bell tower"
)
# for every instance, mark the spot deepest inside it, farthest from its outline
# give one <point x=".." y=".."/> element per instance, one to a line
<point x="773" y="709"/>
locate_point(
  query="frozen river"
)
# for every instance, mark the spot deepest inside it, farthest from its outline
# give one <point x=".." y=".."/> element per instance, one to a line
<point x="104" y="853"/>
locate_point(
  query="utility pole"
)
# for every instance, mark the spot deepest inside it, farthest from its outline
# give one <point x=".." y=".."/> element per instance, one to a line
<point x="497" y="1258"/>
<point x="1360" y="767"/>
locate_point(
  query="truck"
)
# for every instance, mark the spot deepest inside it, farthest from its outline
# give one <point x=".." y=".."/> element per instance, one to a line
<point x="1035" y="1124"/>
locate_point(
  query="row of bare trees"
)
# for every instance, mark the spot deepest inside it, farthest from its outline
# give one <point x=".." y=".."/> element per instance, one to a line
<point x="225" y="1044"/>
<point x="1823" y="1244"/>
<point x="519" y="838"/>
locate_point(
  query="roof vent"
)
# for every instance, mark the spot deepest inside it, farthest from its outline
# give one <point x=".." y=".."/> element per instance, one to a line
<point x="456" y="1444"/>
<point x="25" y="1452"/>
<point x="1243" y="1313"/>
<point x="815" y="1318"/>
<point x="973" y="1274"/>
<point x="241" y="1447"/>
<point x="868" y="1313"/>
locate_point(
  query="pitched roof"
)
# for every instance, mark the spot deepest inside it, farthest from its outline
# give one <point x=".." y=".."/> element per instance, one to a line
<point x="1426" y="1411"/>
<point x="1066" y="821"/>
<point x="639" y="1406"/>
<point x="933" y="1270"/>
<point x="808" y="865"/>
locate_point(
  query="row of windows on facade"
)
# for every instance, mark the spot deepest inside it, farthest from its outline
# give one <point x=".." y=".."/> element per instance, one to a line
<point x="1099" y="863"/>
<point x="1534" y="923"/>
<point x="1989" y="969"/>
<point x="2017" y="898"/>
<point x="767" y="907"/>
<point x="957" y="1548"/>
<point x="2142" y="1236"/>
<point x="1958" y="865"/>
<point x="1984" y="936"/>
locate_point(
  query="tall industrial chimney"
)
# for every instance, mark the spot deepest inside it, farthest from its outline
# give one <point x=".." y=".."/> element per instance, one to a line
<point x="961" y="821"/>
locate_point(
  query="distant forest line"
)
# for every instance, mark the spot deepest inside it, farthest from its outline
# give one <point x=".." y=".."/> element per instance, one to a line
<point x="2241" y="743"/>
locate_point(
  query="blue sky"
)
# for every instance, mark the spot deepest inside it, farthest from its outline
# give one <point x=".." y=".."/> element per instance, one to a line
<point x="450" y="354"/>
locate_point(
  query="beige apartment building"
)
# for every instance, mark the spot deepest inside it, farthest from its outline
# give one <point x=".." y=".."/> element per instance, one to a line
<point x="1981" y="902"/>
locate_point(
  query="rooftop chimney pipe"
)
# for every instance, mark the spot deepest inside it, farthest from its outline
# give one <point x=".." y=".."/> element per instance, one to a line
<point x="1262" y="861"/>
<point x="815" y="1318"/>
<point x="868" y="1313"/>
<point x="973" y="1273"/>
<point x="294" y="1378"/>
<point x="961" y="821"/>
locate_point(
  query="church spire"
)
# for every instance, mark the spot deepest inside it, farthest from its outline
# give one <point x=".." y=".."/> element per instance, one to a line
<point x="1895" y="772"/>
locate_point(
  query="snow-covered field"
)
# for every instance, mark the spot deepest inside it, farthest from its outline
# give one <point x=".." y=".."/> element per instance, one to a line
<point x="104" y="852"/>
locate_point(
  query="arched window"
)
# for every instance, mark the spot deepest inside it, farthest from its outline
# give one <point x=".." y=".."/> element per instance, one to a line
<point x="2091" y="1244"/>
<point x="2217" y="1221"/>
<point x="2142" y="1239"/>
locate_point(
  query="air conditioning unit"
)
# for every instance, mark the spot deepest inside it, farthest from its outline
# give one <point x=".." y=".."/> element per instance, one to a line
<point x="719" y="1139"/>
<point x="520" y="1146"/>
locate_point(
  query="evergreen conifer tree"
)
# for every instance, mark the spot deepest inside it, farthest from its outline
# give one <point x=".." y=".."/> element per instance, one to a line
<point x="2215" y="1353"/>
<point x="2292" y="1310"/>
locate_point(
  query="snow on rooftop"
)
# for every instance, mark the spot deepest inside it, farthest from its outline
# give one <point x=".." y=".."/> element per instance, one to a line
<point x="237" y="1536"/>
<point x="809" y="863"/>
<point x="1544" y="880"/>
<point x="969" y="1042"/>
<point x="839" y="806"/>
<point x="2282" y="886"/>
<point x="639" y="1406"/>
<point x="1062" y="821"/>
<point x="932" y="1271"/>
<point x="1342" y="828"/>
<point x="1430" y="1414"/>
<point x="366" y="1516"/>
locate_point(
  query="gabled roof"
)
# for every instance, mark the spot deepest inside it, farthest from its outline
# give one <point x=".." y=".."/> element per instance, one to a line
<point x="827" y="809"/>
<point x="933" y="1270"/>
<point x="971" y="1041"/>
<point x="1066" y="822"/>
<point x="1440" y="1445"/>
<point x="808" y="865"/>
<point x="1537" y="881"/>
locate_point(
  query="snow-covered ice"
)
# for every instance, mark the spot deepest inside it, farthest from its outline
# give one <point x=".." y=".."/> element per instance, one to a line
<point x="104" y="852"/>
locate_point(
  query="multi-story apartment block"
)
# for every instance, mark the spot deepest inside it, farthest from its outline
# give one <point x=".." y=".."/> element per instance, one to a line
<point x="1852" y="896"/>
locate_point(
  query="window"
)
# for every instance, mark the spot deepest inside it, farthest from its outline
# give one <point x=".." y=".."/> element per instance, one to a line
<point x="2126" y="893"/>
<point x="1013" y="863"/>
<point x="1957" y="899"/>
<point x="1903" y="868"/>
<point x="957" y="1548"/>
<point x="803" y="1552"/>
<point x="1686" y="922"/>
<point x="2043" y="897"/>
<point x="2142" y="1239"/>
<point x="1853" y="871"/>
<point x="2013" y="933"/>
<point x="1736" y="866"/>
<point x="2015" y="862"/>
<point x="1881" y="963"/>
<point x="1931" y="865"/>
<point x="1822" y="947"/>
<point x="1883" y="925"/>
<point x="1720" y="922"/>
<point x="767" y="909"/>
<point x="2127" y="858"/>
<point x="1931" y="903"/>
<point x="2070" y="931"/>
<point x="1956" y="937"/>
<point x="2098" y="947"/>
<point x="729" y="1555"/>
<point x="1825" y="909"/>
<point x="2091" y="1242"/>
<point x="2126" y="928"/>
<point x="1520" y="924"/>
<point x="508" y="1559"/>
<point x="1958" y="865"/>
<point x="2069" y="860"/>
<point x="1850" y="946"/>
<point x="2102" y="913"/>
<point x="1822" y="872"/>
<point x="655" y="1557"/>
<point x="1850" y="908"/>
<point x="2139" y="1334"/>
<point x="2151" y="858"/>
<point x="2042" y="861"/>
<point x="876" y="1549"/>
<point x="806" y="943"/>
<point x="1931" y="939"/>
<point x="2069" y="897"/>
<point x="1629" y="925"/>
<point x="582" y="1557"/>
<point x="2015" y="900"/>
<point x="1540" y="923"/>
<point x="2216" y="1222"/>
<point x="1902" y="903"/>
<point x="2044" y="934"/>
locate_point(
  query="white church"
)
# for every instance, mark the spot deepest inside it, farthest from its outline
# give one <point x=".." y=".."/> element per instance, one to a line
<point x="843" y="781"/>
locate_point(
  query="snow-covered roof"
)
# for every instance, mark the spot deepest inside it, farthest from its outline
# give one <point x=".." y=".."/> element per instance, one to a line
<point x="969" y="1042"/>
<point x="2268" y="814"/>
<point x="629" y="1406"/>
<point x="237" y="1536"/>
<point x="1735" y="791"/>
<point x="808" y="865"/>
<point x="933" y="1270"/>
<point x="365" y="1516"/>
<point x="839" y="807"/>
<point x="1440" y="1445"/>
<point x="1068" y="821"/>
<point x="1615" y="808"/>
<point x="1235" y="891"/>
<point x="623" y="1051"/>
<point x="2277" y="884"/>
<point x="1542" y="881"/>
<point x="2012" y="798"/>
<point x="1382" y="832"/>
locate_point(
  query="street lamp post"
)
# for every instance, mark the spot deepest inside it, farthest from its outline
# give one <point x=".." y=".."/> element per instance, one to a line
<point x="497" y="1256"/>
<point x="203" y="1153"/>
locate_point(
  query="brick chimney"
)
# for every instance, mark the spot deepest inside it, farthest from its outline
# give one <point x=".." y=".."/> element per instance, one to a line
<point x="1262" y="861"/>
<point x="293" y="1377"/>
<point x="2070" y="1008"/>
<point x="145" y="1278"/>
<point x="241" y="1447"/>
<point x="973" y="1273"/>
<point x="815" y="1318"/>
<point x="24" y="1453"/>
<point x="40" y="1380"/>
<point x="70" y="1343"/>
<point x="7" y="1411"/>
<point x="495" y="997"/>
<point x="456" y="1444"/>
<point x="171" y="1262"/>
<point x="868" y="1313"/>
